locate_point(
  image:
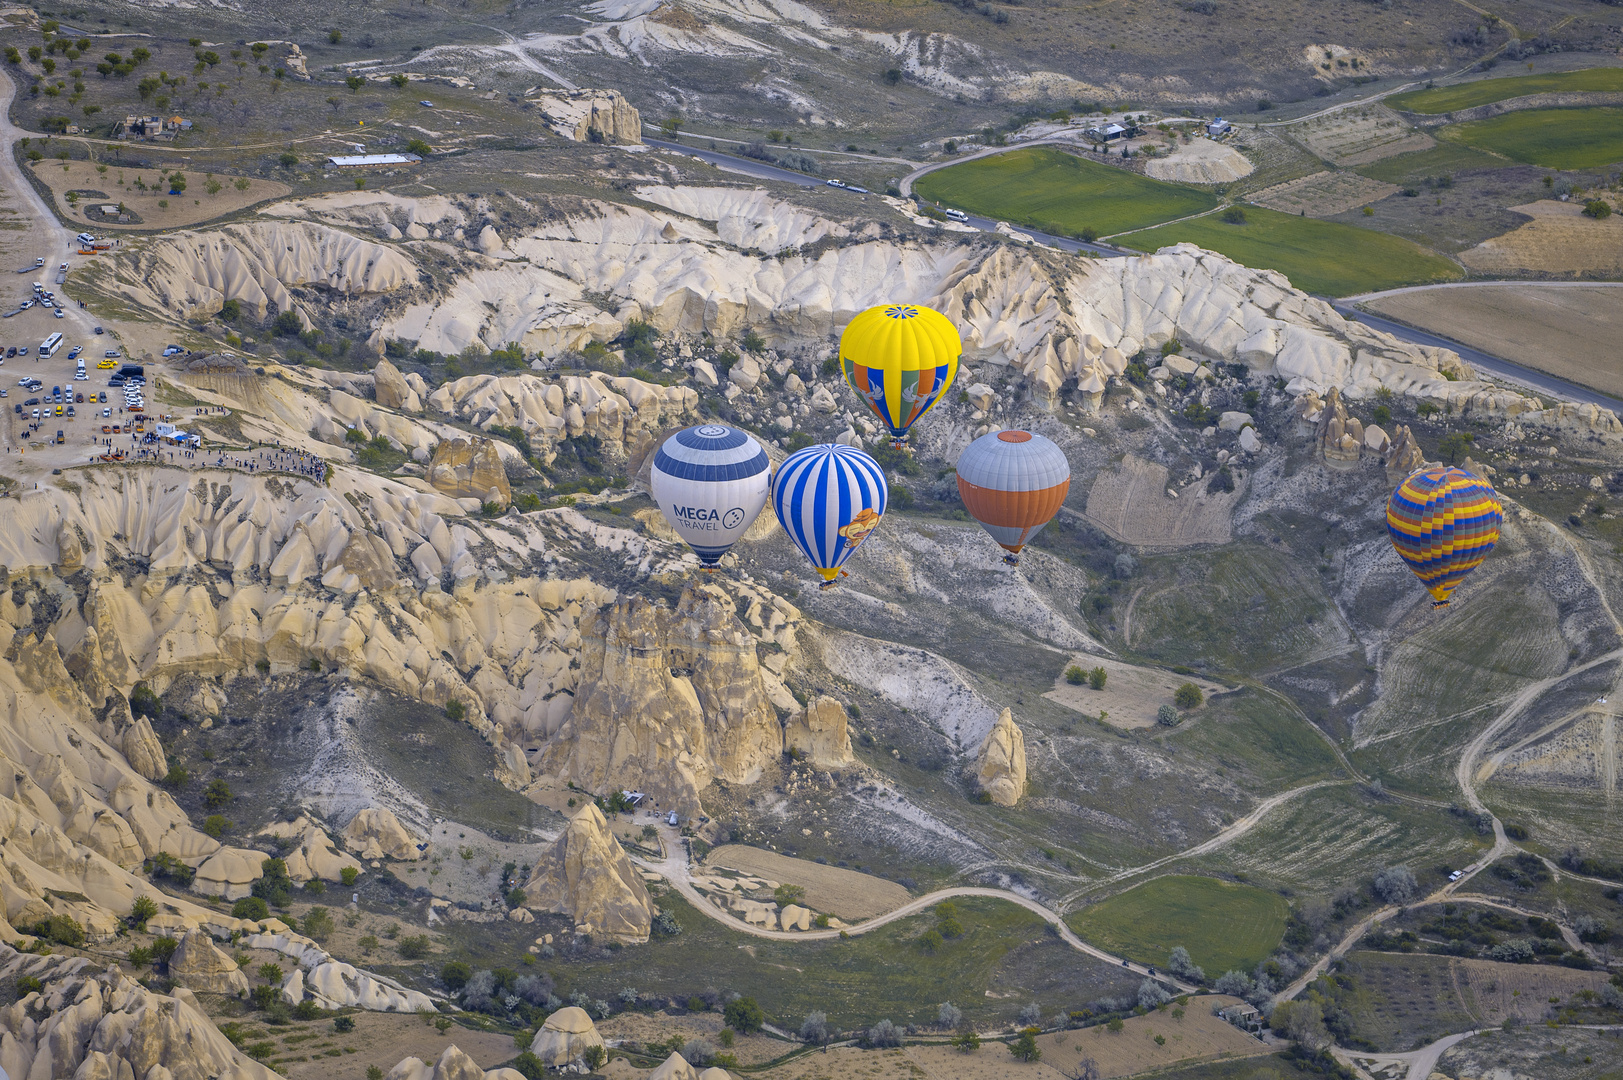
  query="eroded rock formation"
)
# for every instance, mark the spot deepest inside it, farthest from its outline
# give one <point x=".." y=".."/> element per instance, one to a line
<point x="1000" y="764"/>
<point x="470" y="469"/>
<point x="198" y="964"/>
<point x="452" y="1064"/>
<point x="587" y="876"/>
<point x="576" y="114"/>
<point x="565" y="1037"/>
<point x="819" y="735"/>
<point x="375" y="833"/>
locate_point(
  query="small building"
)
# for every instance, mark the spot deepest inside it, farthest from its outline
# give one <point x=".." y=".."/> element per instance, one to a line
<point x="633" y="798"/>
<point x="361" y="161"/>
<point x="1218" y="127"/>
<point x="1243" y="1016"/>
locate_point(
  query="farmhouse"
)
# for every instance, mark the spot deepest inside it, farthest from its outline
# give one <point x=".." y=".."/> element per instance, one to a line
<point x="1243" y="1016"/>
<point x="1218" y="127"/>
<point x="360" y="161"/>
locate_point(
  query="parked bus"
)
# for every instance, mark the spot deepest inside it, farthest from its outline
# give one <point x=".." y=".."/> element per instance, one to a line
<point x="49" y="346"/>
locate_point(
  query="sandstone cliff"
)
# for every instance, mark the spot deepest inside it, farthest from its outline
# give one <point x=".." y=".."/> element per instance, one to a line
<point x="1000" y="765"/>
<point x="577" y="114"/>
<point x="668" y="700"/>
<point x="587" y="876"/>
<point x="375" y="833"/>
<point x="392" y="390"/>
<point x="470" y="469"/>
<point x="818" y="733"/>
<point x="197" y="964"/>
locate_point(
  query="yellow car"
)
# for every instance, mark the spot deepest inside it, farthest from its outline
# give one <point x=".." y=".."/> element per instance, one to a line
<point x="107" y="365"/>
<point x="59" y="410"/>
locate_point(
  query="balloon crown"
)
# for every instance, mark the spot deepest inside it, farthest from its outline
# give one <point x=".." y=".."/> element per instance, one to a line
<point x="901" y="311"/>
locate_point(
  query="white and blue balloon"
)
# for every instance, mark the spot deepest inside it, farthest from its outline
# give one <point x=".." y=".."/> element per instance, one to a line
<point x="710" y="483"/>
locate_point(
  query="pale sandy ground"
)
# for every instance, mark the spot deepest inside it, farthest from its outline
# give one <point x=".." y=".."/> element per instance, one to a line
<point x="1324" y="194"/>
<point x="384" y="1039"/>
<point x="1131" y="696"/>
<point x="1568" y="332"/>
<point x="849" y="894"/>
<point x="192" y="206"/>
<point x="1523" y="989"/>
<point x="1559" y="240"/>
<point x="1201" y="161"/>
<point x="645" y="1028"/>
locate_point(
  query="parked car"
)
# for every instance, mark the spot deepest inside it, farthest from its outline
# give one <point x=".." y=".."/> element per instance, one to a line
<point x="99" y="330"/>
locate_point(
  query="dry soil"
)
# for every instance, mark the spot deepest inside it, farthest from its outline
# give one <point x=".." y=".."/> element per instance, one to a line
<point x="848" y="894"/>
<point x="1559" y="240"/>
<point x="1131" y="695"/>
<point x="191" y="207"/>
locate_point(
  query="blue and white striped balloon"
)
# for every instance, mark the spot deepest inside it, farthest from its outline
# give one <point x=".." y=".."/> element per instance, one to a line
<point x="710" y="483"/>
<point x="829" y="498"/>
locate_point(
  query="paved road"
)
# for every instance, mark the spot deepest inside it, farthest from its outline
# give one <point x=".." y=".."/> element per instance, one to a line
<point x="674" y="868"/>
<point x="1537" y="381"/>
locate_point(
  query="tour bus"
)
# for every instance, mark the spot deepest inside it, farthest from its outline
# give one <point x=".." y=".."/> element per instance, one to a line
<point x="49" y="346"/>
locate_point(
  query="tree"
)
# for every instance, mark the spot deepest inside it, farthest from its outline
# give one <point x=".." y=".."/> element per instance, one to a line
<point x="1151" y="994"/>
<point x="893" y="76"/>
<point x="1086" y="1069"/>
<point x="1025" y="1047"/>
<point x="398" y="81"/>
<point x="177" y="184"/>
<point x="240" y="183"/>
<point x="413" y="947"/>
<point x="595" y="1056"/>
<point x="333" y="101"/>
<point x="348" y="875"/>
<point x="884" y="1033"/>
<point x="288" y="159"/>
<point x="1455" y="444"/>
<point x="143" y="909"/>
<point x="1188" y="696"/>
<point x="788" y="894"/>
<point x="1234" y="215"/>
<point x="948" y="1016"/>
<point x="1167" y="716"/>
<point x="1031" y="1015"/>
<point x="1097" y="677"/>
<point x="250" y="907"/>
<point x="143" y="702"/>
<point x="217" y="795"/>
<point x="318" y="924"/>
<point x="744" y="1015"/>
<point x="1395" y="885"/>
<point x="814" y="1029"/>
<point x="176" y="777"/>
<point x="1599" y="209"/>
<point x="1302" y="1022"/>
<point x="335" y="36"/>
<point x="1075" y="675"/>
<point x="354" y="82"/>
<point x="215" y="825"/>
<point x="966" y="1041"/>
<point x="270" y="973"/>
<point x="1181" y="965"/>
<point x="274" y="886"/>
<point x="419" y="147"/>
<point x="671" y="126"/>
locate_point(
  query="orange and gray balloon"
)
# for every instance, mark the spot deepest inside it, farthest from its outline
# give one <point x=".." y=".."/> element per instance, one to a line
<point x="1013" y="483"/>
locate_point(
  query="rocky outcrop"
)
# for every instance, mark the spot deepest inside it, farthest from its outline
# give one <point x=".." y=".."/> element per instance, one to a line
<point x="818" y="734"/>
<point x="667" y="701"/>
<point x="375" y="833"/>
<point x="198" y="964"/>
<point x="1404" y="455"/>
<point x="392" y="390"/>
<point x="145" y="753"/>
<point x="587" y="876"/>
<point x="229" y="872"/>
<point x="577" y="114"/>
<point x="453" y="1064"/>
<point x="470" y="469"/>
<point x="675" y="1067"/>
<point x="1000" y="766"/>
<point x="1338" y="436"/>
<point x="87" y="1023"/>
<point x="312" y="854"/>
<point x="334" y="984"/>
<point x="564" y="1038"/>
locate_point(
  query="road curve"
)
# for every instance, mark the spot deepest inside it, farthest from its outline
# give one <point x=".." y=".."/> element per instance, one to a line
<point x="674" y="869"/>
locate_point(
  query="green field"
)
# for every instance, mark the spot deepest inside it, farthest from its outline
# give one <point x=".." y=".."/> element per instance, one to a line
<point x="1554" y="138"/>
<point x="1318" y="256"/>
<point x="1442" y="99"/>
<point x="1223" y="926"/>
<point x="1060" y="193"/>
<point x="1444" y="159"/>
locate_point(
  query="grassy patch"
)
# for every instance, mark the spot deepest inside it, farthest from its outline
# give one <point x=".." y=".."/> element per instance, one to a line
<point x="1318" y="256"/>
<point x="1255" y="736"/>
<point x="1397" y="1002"/>
<point x="1442" y="99"/>
<point x="888" y="973"/>
<point x="1553" y="138"/>
<point x="1444" y="159"/>
<point x="1061" y="193"/>
<point x="1222" y="925"/>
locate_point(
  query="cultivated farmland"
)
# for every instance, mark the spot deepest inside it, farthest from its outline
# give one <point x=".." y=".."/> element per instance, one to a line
<point x="1060" y="193"/>
<point x="1442" y="99"/>
<point x="845" y="893"/>
<point x="1222" y="925"/>
<point x="1554" y="138"/>
<point x="1318" y="256"/>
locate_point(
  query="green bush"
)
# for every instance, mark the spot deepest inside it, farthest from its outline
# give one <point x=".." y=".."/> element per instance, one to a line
<point x="1025" y="1047"/>
<point x="1188" y="696"/>
<point x="1097" y="677"/>
<point x="164" y="865"/>
<point x="594" y="1057"/>
<point x="216" y="795"/>
<point x="164" y="947"/>
<point x="343" y="1024"/>
<point x="526" y="1065"/>
<point x="250" y="907"/>
<point x="143" y="702"/>
<point x="348" y="875"/>
<point x="1234" y="215"/>
<point x="274" y="886"/>
<point x="1075" y="675"/>
<point x="413" y="948"/>
<point x="176" y="777"/>
<point x="318" y="924"/>
<point x="60" y="930"/>
<point x="455" y="710"/>
<point x="966" y="1041"/>
<point x="140" y="955"/>
<point x="1167" y="716"/>
<point x="744" y="1015"/>
<point x="1599" y="209"/>
<point x="215" y="825"/>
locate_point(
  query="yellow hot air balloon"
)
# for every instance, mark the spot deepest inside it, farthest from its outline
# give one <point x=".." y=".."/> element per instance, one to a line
<point x="900" y="359"/>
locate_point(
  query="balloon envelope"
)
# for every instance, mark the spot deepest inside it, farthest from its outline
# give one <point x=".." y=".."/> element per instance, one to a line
<point x="1443" y="522"/>
<point x="1013" y="483"/>
<point x="900" y="359"/>
<point x="710" y="483"/>
<point x="829" y="498"/>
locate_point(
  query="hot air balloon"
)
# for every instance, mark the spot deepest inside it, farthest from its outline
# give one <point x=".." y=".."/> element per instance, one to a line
<point x="1443" y="522"/>
<point x="900" y="359"/>
<point x="828" y="498"/>
<point x="710" y="483"/>
<point x="1013" y="483"/>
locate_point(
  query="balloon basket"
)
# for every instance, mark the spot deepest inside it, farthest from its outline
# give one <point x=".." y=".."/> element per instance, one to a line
<point x="1439" y="603"/>
<point x="901" y="444"/>
<point x="828" y="584"/>
<point x="1011" y="560"/>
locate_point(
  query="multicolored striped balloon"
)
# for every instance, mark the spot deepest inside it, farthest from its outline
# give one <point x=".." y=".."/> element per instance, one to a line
<point x="900" y="359"/>
<point x="829" y="498"/>
<point x="1443" y="522"/>
<point x="1013" y="483"/>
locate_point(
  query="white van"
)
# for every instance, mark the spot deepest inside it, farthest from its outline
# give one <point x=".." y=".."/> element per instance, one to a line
<point x="955" y="215"/>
